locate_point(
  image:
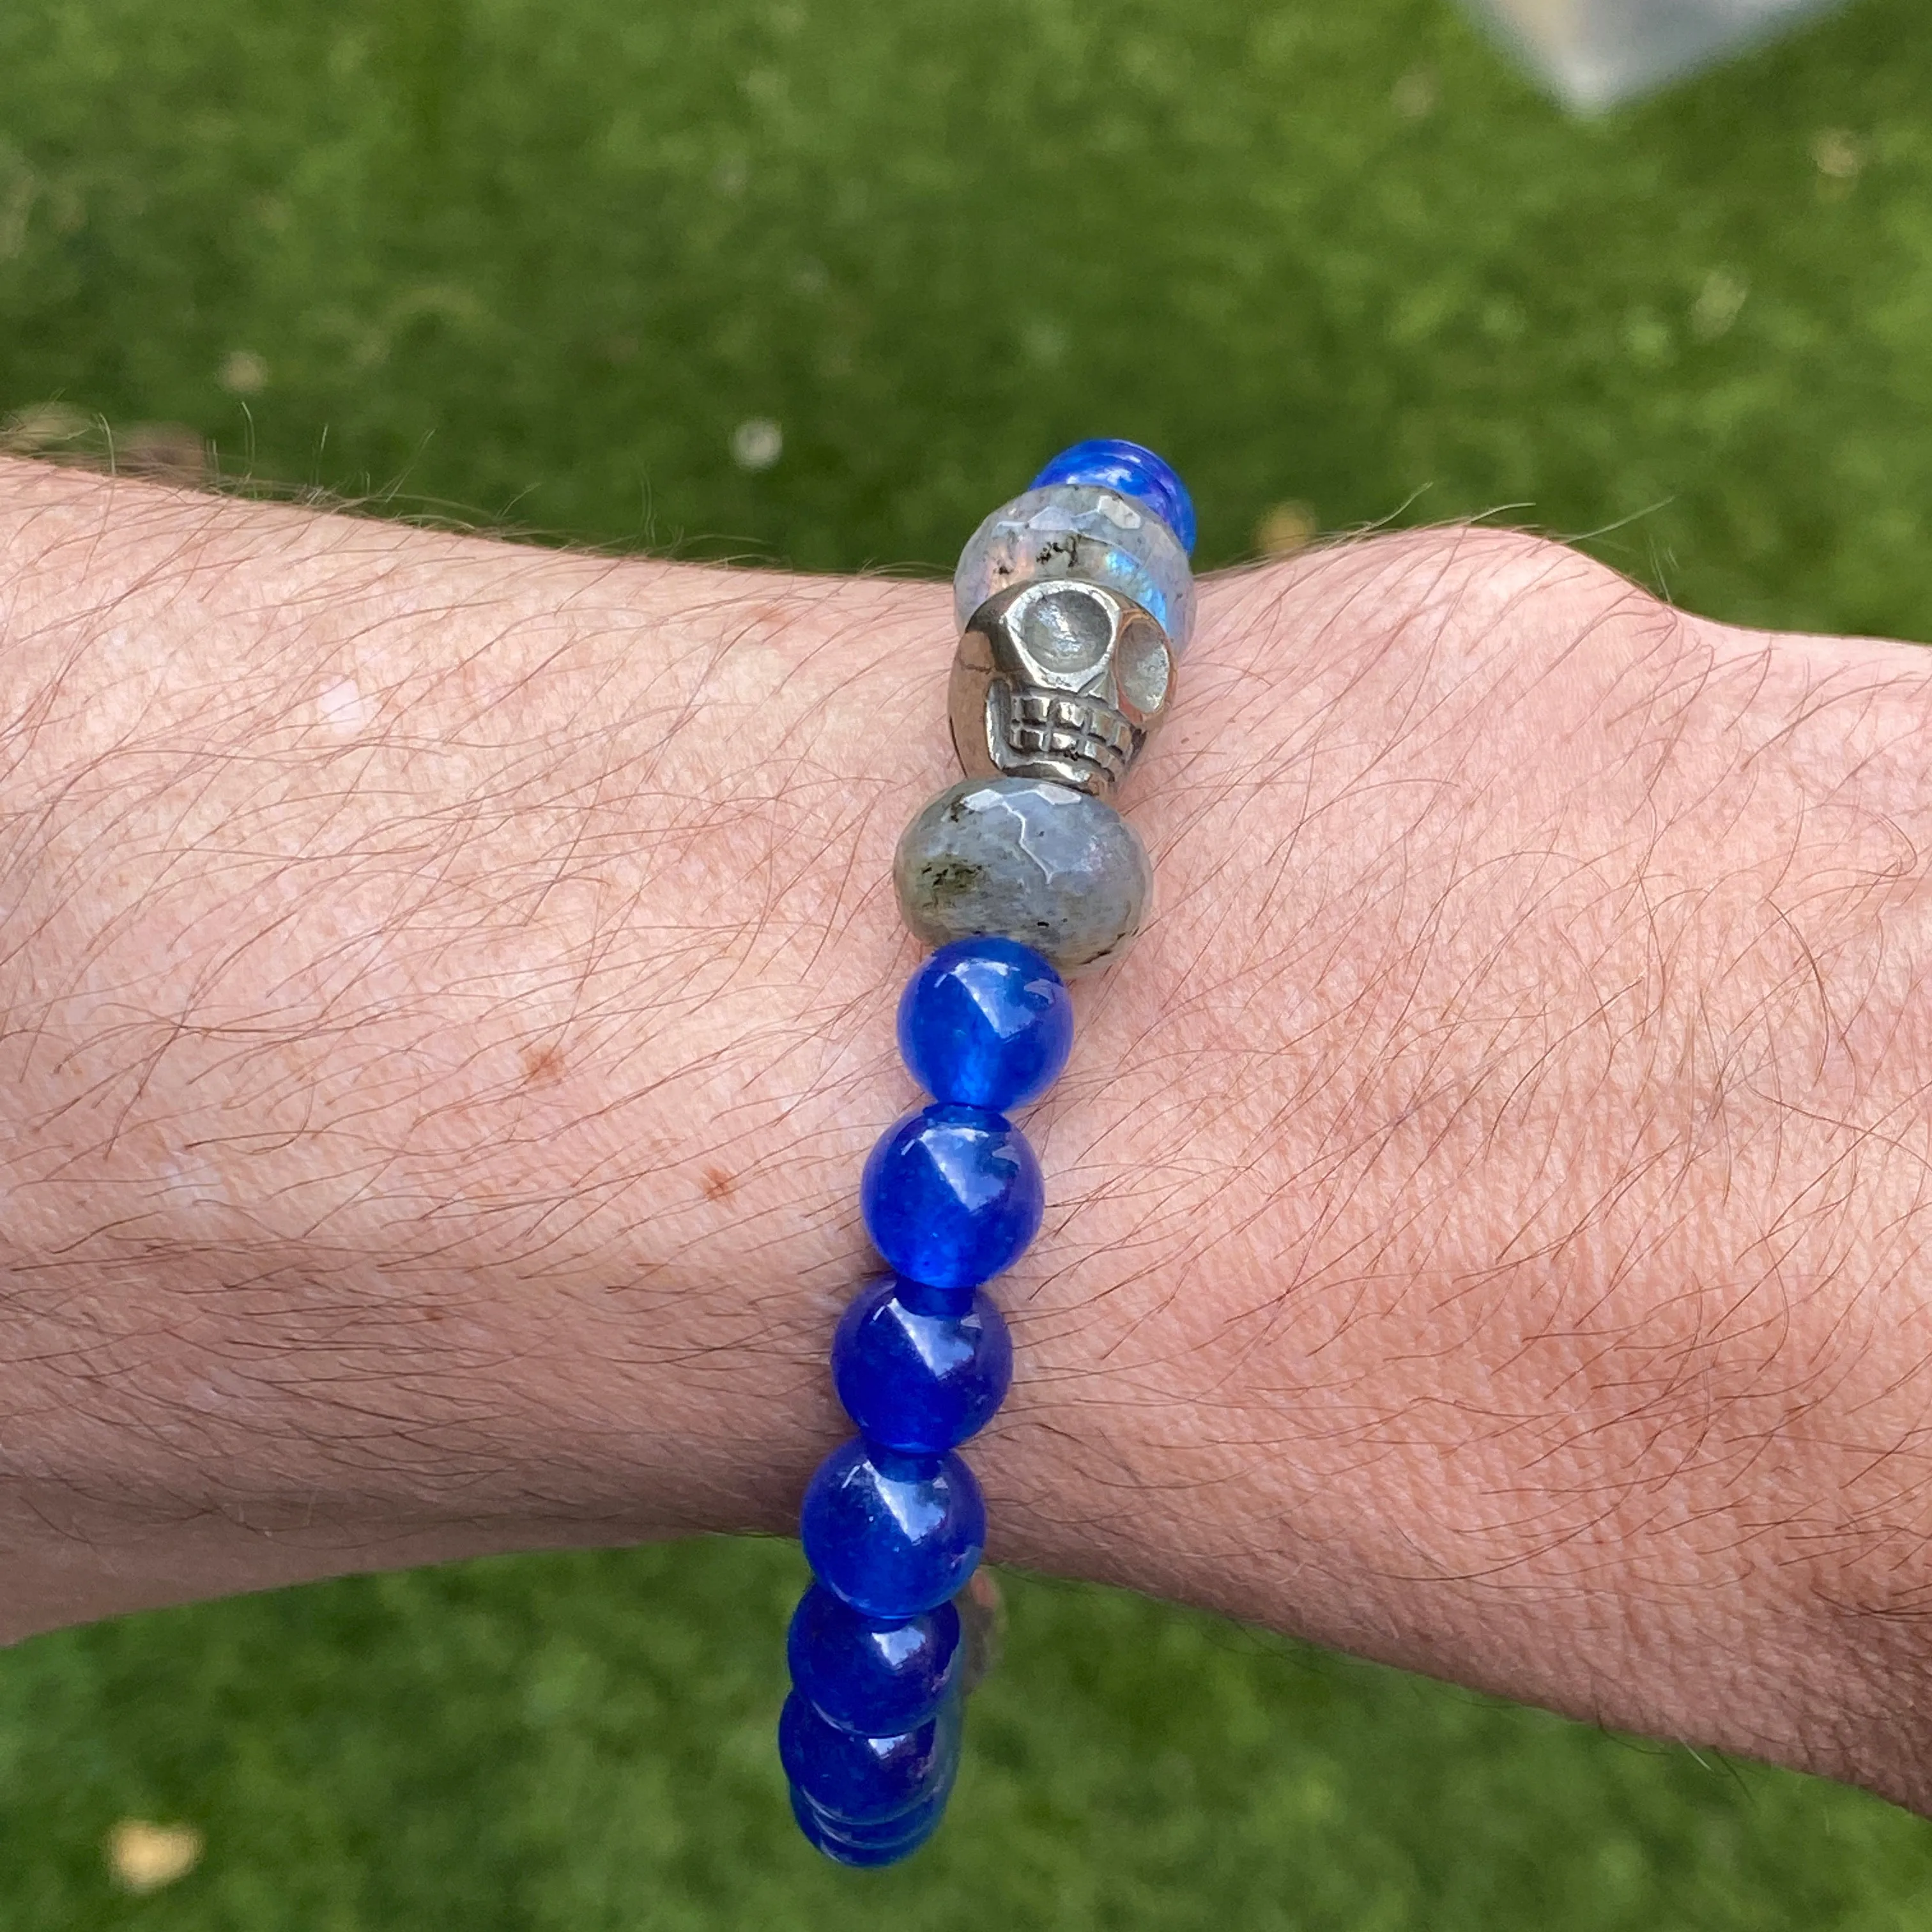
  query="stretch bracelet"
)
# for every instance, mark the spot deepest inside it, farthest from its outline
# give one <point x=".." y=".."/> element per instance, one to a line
<point x="1074" y="601"/>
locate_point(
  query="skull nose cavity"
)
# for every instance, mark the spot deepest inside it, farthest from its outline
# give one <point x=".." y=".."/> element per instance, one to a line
<point x="1067" y="628"/>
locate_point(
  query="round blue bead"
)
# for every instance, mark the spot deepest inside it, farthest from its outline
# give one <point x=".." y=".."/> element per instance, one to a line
<point x="986" y="1022"/>
<point x="918" y="1379"/>
<point x="871" y="1676"/>
<point x="868" y="1845"/>
<point x="854" y="1780"/>
<point x="1114" y="464"/>
<point x="951" y="1194"/>
<point x="893" y="1535"/>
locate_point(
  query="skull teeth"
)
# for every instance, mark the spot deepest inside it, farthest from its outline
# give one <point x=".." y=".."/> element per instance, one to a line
<point x="1085" y="715"/>
<point x="1043" y="724"/>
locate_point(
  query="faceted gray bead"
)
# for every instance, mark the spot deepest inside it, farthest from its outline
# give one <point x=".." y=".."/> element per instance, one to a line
<point x="1028" y="859"/>
<point x="1078" y="530"/>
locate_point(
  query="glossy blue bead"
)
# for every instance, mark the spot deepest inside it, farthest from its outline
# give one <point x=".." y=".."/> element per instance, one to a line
<point x="1134" y="471"/>
<point x="918" y="1379"/>
<point x="876" y="1678"/>
<point x="854" y="1780"/>
<point x="893" y="1535"/>
<point x="868" y="1845"/>
<point x="986" y="1022"/>
<point x="951" y="1194"/>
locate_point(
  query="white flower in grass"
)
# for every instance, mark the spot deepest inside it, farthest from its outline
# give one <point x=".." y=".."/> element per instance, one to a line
<point x="756" y="443"/>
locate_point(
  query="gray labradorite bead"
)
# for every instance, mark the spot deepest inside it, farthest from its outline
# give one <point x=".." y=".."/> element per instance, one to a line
<point x="1028" y="859"/>
<point x="1078" y="530"/>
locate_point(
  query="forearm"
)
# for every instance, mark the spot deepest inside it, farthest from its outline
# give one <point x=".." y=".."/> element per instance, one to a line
<point x="449" y="993"/>
<point x="440" y="981"/>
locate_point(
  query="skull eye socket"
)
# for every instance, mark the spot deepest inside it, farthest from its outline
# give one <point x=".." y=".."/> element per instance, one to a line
<point x="1143" y="669"/>
<point x="1066" y="630"/>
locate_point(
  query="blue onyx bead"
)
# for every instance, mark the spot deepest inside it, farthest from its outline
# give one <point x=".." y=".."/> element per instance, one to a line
<point x="986" y="1022"/>
<point x="916" y="1374"/>
<point x="1134" y="471"/>
<point x="951" y="1194"/>
<point x="893" y="1535"/>
<point x="868" y="1845"/>
<point x="854" y="1781"/>
<point x="876" y="1678"/>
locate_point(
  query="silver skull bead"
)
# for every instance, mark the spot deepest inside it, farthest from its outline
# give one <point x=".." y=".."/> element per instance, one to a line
<point x="1059" y="680"/>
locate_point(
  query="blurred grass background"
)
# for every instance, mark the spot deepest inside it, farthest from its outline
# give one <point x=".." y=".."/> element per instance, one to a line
<point x="817" y="281"/>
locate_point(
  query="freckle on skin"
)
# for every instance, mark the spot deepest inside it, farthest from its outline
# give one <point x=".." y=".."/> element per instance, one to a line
<point x="543" y="1066"/>
<point x="344" y="709"/>
<point x="718" y="1186"/>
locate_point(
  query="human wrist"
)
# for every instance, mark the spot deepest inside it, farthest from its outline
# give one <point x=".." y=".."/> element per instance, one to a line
<point x="1537" y="1136"/>
<point x="533" y="1026"/>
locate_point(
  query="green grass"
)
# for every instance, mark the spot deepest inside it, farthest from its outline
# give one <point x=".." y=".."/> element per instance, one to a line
<point x="585" y="1743"/>
<point x="533" y="263"/>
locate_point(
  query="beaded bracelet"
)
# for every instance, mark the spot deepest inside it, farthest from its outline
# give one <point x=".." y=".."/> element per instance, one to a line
<point x="1075" y="600"/>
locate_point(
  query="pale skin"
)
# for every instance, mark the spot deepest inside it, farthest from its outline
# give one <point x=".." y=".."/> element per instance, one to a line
<point x="447" y="991"/>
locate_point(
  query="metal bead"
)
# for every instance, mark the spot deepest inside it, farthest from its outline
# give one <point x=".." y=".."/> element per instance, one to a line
<point x="1059" y="680"/>
<point x="1057" y="869"/>
<point x="1085" y="531"/>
